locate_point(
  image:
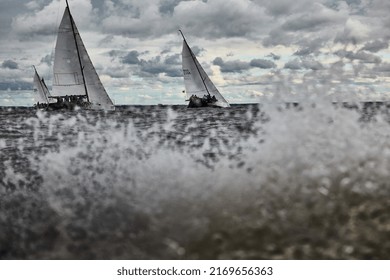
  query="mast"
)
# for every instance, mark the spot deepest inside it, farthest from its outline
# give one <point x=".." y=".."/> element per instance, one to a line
<point x="193" y="58"/>
<point x="77" y="48"/>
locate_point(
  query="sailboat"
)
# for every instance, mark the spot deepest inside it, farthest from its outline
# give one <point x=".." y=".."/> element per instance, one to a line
<point x="200" y="90"/>
<point x="41" y="91"/>
<point x="75" y="81"/>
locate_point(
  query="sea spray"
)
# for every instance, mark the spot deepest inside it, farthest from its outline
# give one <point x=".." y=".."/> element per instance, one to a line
<point x="247" y="182"/>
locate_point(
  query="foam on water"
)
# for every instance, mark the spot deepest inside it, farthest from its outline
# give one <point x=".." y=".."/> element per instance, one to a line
<point x="309" y="182"/>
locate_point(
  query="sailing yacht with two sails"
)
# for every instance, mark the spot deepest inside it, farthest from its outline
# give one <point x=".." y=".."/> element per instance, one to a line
<point x="200" y="90"/>
<point x="75" y="81"/>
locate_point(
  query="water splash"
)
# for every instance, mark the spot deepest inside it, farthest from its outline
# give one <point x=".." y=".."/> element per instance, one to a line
<point x="247" y="182"/>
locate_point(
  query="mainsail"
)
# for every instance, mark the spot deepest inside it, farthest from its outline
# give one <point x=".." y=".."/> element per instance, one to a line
<point x="196" y="81"/>
<point x="73" y="72"/>
<point x="40" y="89"/>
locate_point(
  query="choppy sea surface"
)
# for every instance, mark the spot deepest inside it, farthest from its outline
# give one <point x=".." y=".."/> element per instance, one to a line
<point x="166" y="182"/>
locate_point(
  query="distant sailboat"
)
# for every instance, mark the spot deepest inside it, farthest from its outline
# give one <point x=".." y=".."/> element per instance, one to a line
<point x="75" y="81"/>
<point x="41" y="91"/>
<point x="200" y="90"/>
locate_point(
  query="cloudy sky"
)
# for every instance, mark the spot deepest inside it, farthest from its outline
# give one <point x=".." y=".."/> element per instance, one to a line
<point x="251" y="48"/>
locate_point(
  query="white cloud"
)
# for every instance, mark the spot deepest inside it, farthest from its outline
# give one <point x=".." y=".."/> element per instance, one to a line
<point x="355" y="32"/>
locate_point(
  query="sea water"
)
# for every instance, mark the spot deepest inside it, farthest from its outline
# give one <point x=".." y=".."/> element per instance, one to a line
<point x="167" y="182"/>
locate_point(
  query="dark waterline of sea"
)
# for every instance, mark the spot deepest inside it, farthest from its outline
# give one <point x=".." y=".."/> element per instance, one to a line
<point x="167" y="182"/>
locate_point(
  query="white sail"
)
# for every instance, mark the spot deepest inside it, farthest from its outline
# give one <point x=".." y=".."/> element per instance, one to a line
<point x="74" y="73"/>
<point x="196" y="81"/>
<point x="41" y="91"/>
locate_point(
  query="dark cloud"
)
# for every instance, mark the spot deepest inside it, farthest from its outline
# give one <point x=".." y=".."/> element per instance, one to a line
<point x="132" y="62"/>
<point x="168" y="65"/>
<point x="294" y="64"/>
<point x="306" y="22"/>
<point x="375" y="46"/>
<point x="304" y="52"/>
<point x="262" y="63"/>
<point x="231" y="66"/>
<point x="173" y="59"/>
<point x="155" y="66"/>
<point x="9" y="64"/>
<point x="312" y="64"/>
<point x="310" y="46"/>
<point x="131" y="58"/>
<point x="238" y="66"/>
<point x="367" y="57"/>
<point x="359" y="55"/>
